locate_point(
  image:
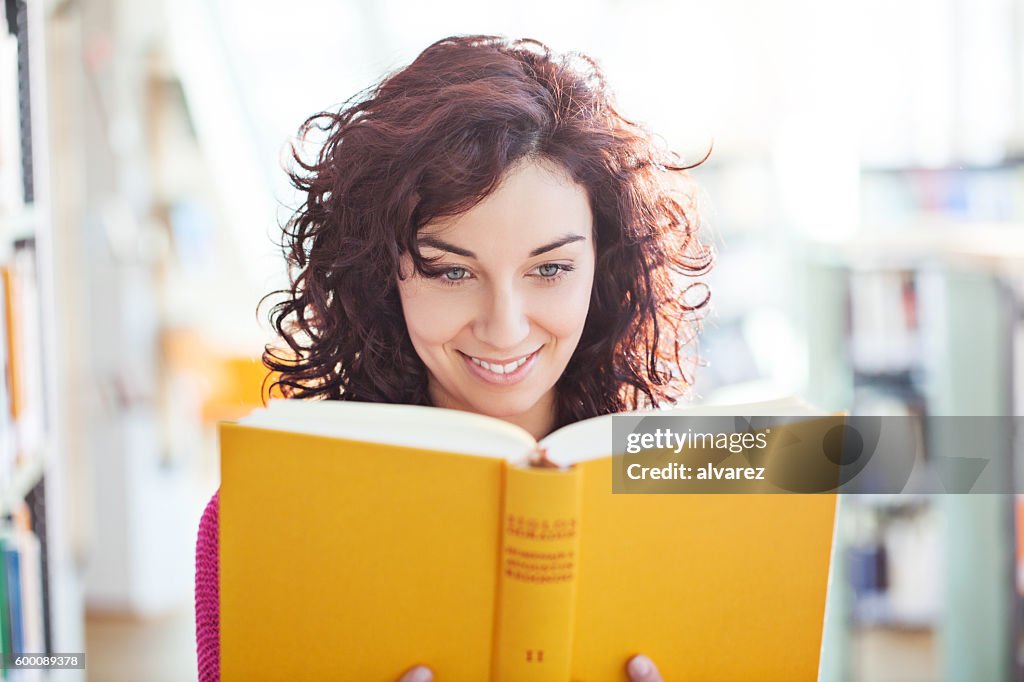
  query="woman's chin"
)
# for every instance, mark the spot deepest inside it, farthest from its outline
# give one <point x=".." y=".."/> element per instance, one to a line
<point x="516" y="404"/>
<point x="509" y="411"/>
<point x="505" y="407"/>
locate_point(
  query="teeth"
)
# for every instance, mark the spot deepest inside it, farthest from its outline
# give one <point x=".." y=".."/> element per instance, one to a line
<point x="501" y="369"/>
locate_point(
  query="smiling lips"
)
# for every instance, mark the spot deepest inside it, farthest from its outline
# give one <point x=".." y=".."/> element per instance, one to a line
<point x="501" y="373"/>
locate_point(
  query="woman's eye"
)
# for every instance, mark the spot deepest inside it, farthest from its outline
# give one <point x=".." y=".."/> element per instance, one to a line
<point x="455" y="274"/>
<point x="549" y="270"/>
<point x="553" y="272"/>
<point x="449" y="275"/>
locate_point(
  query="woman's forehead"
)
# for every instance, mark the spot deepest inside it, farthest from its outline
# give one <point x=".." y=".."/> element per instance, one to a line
<point x="534" y="205"/>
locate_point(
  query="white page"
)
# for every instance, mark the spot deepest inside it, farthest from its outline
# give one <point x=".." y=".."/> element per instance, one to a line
<point x="473" y="434"/>
<point x="409" y="425"/>
<point x="592" y="438"/>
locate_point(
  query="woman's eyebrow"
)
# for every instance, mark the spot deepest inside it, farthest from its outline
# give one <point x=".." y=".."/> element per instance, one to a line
<point x="442" y="245"/>
<point x="567" y="239"/>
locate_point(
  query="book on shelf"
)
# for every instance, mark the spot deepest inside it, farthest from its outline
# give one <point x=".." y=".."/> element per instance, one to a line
<point x="21" y="365"/>
<point x="885" y="332"/>
<point x="7" y="439"/>
<point x="21" y="594"/>
<point x="357" y="540"/>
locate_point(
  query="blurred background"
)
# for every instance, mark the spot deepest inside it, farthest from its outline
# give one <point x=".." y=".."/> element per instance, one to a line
<point x="865" y="194"/>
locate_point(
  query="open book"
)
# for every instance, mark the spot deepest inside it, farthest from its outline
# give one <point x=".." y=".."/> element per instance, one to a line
<point x="357" y="540"/>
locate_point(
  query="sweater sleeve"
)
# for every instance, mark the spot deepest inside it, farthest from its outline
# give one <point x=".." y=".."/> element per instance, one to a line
<point x="208" y="594"/>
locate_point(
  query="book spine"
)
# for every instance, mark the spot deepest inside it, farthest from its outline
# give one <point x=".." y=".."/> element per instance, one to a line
<point x="12" y="559"/>
<point x="7" y="442"/>
<point x="6" y="649"/>
<point x="31" y="593"/>
<point x="537" y="586"/>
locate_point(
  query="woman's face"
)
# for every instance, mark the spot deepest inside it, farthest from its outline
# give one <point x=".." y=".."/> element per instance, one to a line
<point x="503" y="311"/>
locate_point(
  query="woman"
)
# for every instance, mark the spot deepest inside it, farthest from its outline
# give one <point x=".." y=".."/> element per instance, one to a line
<point x="484" y="231"/>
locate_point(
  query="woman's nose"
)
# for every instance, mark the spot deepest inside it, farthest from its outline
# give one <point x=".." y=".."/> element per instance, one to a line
<point x="503" y="323"/>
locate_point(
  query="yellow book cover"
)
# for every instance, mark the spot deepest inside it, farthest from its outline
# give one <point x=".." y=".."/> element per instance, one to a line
<point x="358" y="540"/>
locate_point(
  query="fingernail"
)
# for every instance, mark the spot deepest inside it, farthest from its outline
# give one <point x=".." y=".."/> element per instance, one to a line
<point x="640" y="666"/>
<point x="418" y="674"/>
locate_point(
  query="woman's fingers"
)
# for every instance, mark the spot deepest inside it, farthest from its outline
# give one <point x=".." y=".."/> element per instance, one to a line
<point x="642" y="669"/>
<point x="420" y="673"/>
<point x="639" y="668"/>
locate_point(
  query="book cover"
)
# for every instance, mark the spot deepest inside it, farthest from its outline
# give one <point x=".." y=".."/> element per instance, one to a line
<point x="358" y="540"/>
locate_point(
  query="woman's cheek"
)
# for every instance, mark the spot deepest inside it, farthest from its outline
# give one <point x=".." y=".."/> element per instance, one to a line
<point x="434" y="317"/>
<point x="564" y="315"/>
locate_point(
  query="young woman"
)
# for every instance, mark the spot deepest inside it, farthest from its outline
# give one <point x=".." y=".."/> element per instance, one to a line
<point x="484" y="231"/>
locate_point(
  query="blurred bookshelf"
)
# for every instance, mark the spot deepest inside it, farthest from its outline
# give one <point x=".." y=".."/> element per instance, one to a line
<point x="968" y="192"/>
<point x="921" y="315"/>
<point x="40" y="601"/>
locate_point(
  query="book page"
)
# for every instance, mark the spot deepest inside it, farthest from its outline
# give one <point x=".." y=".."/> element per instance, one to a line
<point x="429" y="428"/>
<point x="592" y="438"/>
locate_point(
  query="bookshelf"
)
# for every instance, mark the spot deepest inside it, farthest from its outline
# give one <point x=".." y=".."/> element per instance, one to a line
<point x="947" y="295"/>
<point x="33" y="518"/>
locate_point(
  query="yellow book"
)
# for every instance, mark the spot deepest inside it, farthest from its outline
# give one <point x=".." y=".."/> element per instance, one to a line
<point x="358" y="540"/>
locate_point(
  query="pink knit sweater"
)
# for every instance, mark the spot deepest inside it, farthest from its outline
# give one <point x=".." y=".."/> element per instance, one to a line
<point x="208" y="593"/>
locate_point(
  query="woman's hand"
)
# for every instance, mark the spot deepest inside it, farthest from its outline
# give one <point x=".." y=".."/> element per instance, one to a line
<point x="639" y="668"/>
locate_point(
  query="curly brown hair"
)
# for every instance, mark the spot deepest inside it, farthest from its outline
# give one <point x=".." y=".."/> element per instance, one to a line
<point x="432" y="140"/>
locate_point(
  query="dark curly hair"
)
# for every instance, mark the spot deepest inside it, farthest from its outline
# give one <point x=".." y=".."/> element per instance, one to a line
<point x="432" y="140"/>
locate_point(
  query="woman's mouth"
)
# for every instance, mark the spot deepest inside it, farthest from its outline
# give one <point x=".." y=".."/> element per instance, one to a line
<point x="501" y="373"/>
